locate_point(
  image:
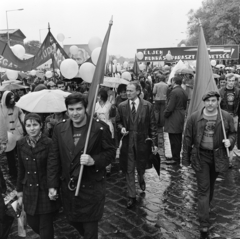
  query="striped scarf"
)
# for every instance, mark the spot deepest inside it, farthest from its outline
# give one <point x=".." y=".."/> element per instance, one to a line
<point x="33" y="141"/>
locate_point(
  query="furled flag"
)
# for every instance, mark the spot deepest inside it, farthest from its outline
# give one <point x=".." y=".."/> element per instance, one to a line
<point x="99" y="71"/>
<point x="136" y="69"/>
<point x="204" y="81"/>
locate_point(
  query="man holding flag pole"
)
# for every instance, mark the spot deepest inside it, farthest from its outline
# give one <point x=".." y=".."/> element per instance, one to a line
<point x="82" y="148"/>
<point x="208" y="136"/>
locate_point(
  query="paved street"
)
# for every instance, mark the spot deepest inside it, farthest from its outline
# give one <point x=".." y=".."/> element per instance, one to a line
<point x="167" y="209"/>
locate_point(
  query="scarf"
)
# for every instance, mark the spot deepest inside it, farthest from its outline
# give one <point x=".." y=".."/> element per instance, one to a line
<point x="33" y="141"/>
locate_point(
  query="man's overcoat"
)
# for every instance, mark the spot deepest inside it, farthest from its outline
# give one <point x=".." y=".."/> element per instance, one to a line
<point x="146" y="128"/>
<point x="63" y="164"/>
<point x="175" y="111"/>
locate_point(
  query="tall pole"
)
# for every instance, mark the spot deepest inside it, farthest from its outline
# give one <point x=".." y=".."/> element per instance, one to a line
<point x="8" y="39"/>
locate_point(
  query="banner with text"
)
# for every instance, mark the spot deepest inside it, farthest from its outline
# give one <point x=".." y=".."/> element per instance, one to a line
<point x="49" y="49"/>
<point x="223" y="52"/>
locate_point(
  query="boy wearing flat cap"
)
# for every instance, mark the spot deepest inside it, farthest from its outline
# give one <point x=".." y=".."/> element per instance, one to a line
<point x="204" y="147"/>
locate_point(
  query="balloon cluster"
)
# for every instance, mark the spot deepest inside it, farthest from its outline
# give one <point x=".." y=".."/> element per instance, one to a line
<point x="69" y="67"/>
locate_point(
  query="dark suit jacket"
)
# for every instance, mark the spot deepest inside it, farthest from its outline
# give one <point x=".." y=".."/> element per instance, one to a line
<point x="63" y="164"/>
<point x="175" y="111"/>
<point x="32" y="176"/>
<point x="146" y="128"/>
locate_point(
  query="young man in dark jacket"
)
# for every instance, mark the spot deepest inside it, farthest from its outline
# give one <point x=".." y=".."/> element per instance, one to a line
<point x="85" y="210"/>
<point x="204" y="147"/>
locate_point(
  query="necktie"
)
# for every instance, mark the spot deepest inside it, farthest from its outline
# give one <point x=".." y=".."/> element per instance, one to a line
<point x="133" y="110"/>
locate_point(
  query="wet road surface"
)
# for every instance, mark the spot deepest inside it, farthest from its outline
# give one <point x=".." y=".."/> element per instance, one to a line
<point x="166" y="210"/>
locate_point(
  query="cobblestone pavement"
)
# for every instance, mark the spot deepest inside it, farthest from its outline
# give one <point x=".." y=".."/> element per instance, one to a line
<point x="167" y="209"/>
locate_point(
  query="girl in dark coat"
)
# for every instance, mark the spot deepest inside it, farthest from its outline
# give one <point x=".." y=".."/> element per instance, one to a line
<point x="32" y="188"/>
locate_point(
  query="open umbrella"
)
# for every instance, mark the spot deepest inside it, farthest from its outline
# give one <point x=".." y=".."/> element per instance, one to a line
<point x="7" y="82"/>
<point x="184" y="71"/>
<point x="114" y="82"/>
<point x="12" y="86"/>
<point x="44" y="101"/>
<point x="21" y="76"/>
<point x="216" y="75"/>
<point x="220" y="65"/>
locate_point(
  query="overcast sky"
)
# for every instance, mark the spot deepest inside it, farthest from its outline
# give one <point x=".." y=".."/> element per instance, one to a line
<point x="136" y="23"/>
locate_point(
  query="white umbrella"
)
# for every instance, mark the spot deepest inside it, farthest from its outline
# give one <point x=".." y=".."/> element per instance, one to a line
<point x="44" y="101"/>
<point x="114" y="82"/>
<point x="7" y="82"/>
<point x="220" y="65"/>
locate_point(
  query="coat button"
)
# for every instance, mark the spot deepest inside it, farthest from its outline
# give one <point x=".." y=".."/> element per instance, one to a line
<point x="35" y="172"/>
<point x="37" y="185"/>
<point x="96" y="170"/>
<point x="26" y="158"/>
<point x="28" y="172"/>
<point x="33" y="159"/>
<point x="83" y="186"/>
<point x="30" y="185"/>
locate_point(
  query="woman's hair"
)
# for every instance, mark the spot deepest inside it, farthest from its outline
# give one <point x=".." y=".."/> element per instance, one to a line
<point x="32" y="116"/>
<point x="103" y="95"/>
<point x="121" y="88"/>
<point x="75" y="98"/>
<point x="8" y="99"/>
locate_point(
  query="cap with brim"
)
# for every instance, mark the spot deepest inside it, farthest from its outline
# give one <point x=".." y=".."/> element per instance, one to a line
<point x="210" y="94"/>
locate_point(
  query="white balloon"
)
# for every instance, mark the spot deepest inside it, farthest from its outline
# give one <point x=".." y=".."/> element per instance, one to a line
<point x="87" y="70"/>
<point x="213" y="62"/>
<point x="69" y="68"/>
<point x="60" y="37"/>
<point x="94" y="42"/>
<point x="140" y="55"/>
<point x="73" y="49"/>
<point x="115" y="61"/>
<point x="48" y="74"/>
<point x="33" y="72"/>
<point x="18" y="51"/>
<point x="11" y="74"/>
<point x="142" y="66"/>
<point x="169" y="57"/>
<point x="95" y="55"/>
<point x="127" y="76"/>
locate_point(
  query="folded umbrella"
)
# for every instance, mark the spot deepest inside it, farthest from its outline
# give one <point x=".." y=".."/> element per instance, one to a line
<point x="154" y="159"/>
<point x="44" y="101"/>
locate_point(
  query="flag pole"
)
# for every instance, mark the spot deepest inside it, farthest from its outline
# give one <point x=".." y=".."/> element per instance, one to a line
<point x="92" y="95"/>
<point x="223" y="127"/>
<point x="86" y="144"/>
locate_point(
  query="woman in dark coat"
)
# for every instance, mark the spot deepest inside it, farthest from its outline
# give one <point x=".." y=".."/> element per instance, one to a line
<point x="32" y="188"/>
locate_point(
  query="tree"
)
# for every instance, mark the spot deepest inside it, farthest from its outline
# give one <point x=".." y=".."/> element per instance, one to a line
<point x="220" y="20"/>
<point x="32" y="47"/>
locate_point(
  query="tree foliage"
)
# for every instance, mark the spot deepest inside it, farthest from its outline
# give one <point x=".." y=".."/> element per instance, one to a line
<point x="32" y="47"/>
<point x="220" y="20"/>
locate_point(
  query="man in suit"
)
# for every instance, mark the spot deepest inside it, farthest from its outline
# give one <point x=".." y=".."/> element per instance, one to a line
<point x="85" y="210"/>
<point x="136" y="121"/>
<point x="174" y="117"/>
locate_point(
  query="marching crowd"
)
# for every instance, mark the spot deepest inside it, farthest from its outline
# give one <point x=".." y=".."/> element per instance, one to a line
<point x="45" y="161"/>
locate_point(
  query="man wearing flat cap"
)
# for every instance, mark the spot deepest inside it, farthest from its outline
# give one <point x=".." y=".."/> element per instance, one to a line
<point x="204" y="147"/>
